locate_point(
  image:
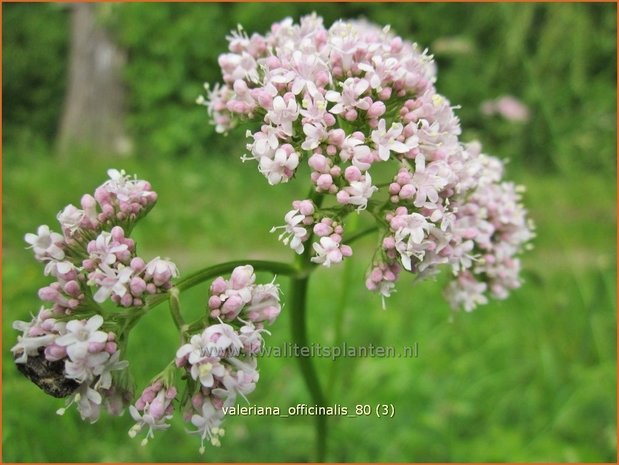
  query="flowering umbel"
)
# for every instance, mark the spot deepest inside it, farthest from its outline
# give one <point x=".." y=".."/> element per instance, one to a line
<point x="72" y="347"/>
<point x="344" y="100"/>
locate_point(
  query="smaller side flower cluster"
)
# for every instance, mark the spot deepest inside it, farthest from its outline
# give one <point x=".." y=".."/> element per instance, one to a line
<point x="95" y="250"/>
<point x="92" y="261"/>
<point x="219" y="362"/>
<point x="303" y="219"/>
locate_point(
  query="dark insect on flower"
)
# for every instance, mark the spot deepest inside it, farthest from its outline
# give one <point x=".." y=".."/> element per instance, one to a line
<point x="48" y="376"/>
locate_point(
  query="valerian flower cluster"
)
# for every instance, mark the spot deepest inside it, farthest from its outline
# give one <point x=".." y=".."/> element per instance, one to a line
<point x="219" y="362"/>
<point x="73" y="346"/>
<point x="345" y="100"/>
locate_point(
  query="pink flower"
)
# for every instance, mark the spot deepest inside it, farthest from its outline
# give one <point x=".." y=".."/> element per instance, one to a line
<point x="349" y="99"/>
<point x="385" y="140"/>
<point x="329" y="251"/>
<point x="281" y="167"/>
<point x="283" y="114"/>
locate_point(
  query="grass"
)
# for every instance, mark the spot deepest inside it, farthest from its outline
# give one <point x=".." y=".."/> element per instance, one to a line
<point x="531" y="378"/>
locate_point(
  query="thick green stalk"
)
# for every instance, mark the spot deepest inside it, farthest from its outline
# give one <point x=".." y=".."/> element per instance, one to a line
<point x="298" y="299"/>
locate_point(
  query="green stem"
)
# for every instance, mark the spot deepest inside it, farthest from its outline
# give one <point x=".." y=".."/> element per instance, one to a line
<point x="298" y="299"/>
<point x="175" y="309"/>
<point x="359" y="235"/>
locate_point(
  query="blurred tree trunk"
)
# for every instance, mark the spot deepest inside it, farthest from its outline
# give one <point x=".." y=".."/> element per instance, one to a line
<point x="94" y="107"/>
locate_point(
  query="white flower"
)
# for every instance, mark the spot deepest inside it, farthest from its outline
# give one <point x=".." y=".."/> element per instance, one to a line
<point x="355" y="149"/>
<point x="70" y="218"/>
<point x="88" y="403"/>
<point x="208" y="423"/>
<point x="239" y="379"/>
<point x="280" y="168"/>
<point x="428" y="180"/>
<point x="360" y="192"/>
<point x="265" y="143"/>
<point x="327" y="252"/>
<point x="46" y="244"/>
<point x="466" y="292"/>
<point x="79" y="334"/>
<point x="386" y="142"/>
<point x="293" y="233"/>
<point x="104" y="370"/>
<point x="409" y="237"/>
<point x="85" y="367"/>
<point x="105" y="248"/>
<point x="349" y="99"/>
<point x="283" y="114"/>
<point x="111" y="281"/>
<point x="315" y="133"/>
<point x="304" y="73"/>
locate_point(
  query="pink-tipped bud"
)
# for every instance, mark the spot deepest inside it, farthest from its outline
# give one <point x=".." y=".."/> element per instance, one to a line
<point x="342" y="197"/>
<point x="389" y="242"/>
<point x="324" y="181"/>
<point x="219" y="286"/>
<point x="385" y="93"/>
<point x="214" y="302"/>
<point x="376" y="110"/>
<point x="318" y="162"/>
<point x="321" y="229"/>
<point x="242" y="276"/>
<point x="94" y="347"/>
<point x="352" y="173"/>
<point x="306" y="207"/>
<point x="351" y="115"/>
<point x="407" y="191"/>
<point x="137" y="286"/>
<point x="337" y="136"/>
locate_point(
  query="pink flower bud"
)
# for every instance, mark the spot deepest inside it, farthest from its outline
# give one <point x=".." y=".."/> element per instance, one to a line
<point x="137" y="286"/>
<point x="94" y="347"/>
<point x="306" y="207"/>
<point x="324" y="181"/>
<point x="376" y="110"/>
<point x="389" y="242"/>
<point x="126" y="300"/>
<point x="318" y="162"/>
<point x="342" y="197"/>
<point x="337" y="136"/>
<point x="232" y="307"/>
<point x="376" y="275"/>
<point x="385" y="93"/>
<point x="352" y="173"/>
<point x="54" y="352"/>
<point x="321" y="229"/>
<point x="351" y="115"/>
<point x="407" y="191"/>
<point x="111" y="347"/>
<point x="214" y="302"/>
<point x="242" y="276"/>
<point x="219" y="286"/>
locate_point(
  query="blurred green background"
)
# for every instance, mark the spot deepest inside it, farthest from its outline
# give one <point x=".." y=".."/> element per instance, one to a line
<point x="532" y="378"/>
